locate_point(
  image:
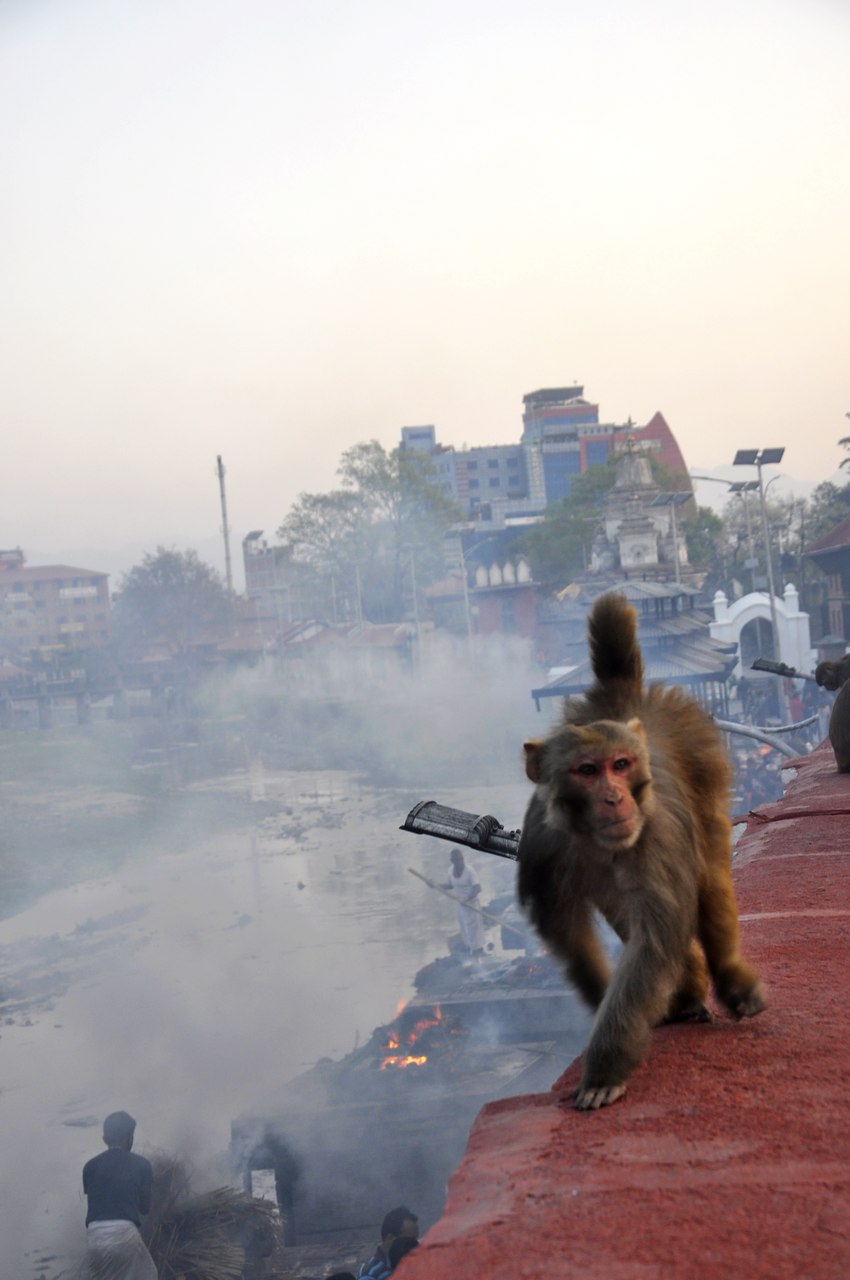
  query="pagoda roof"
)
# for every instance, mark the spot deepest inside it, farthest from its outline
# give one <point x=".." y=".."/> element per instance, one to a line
<point x="836" y="539"/>
<point x="677" y="646"/>
<point x="686" y="664"/>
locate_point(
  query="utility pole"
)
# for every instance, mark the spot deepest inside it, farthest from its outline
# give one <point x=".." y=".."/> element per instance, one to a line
<point x="225" y="527"/>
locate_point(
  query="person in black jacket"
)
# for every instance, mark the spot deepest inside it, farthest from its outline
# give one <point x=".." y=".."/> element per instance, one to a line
<point x="117" y="1184"/>
<point x="398" y="1222"/>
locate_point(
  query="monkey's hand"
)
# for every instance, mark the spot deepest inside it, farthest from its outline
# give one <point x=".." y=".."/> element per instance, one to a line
<point x="591" y="1099"/>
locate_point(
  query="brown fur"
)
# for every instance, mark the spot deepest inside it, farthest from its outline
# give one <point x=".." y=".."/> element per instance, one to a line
<point x="630" y="815"/>
<point x="836" y="675"/>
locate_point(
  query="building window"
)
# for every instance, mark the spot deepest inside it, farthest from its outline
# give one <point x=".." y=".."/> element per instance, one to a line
<point x="494" y="482"/>
<point x="473" y="484"/>
<point x="492" y="462"/>
<point x="472" y="466"/>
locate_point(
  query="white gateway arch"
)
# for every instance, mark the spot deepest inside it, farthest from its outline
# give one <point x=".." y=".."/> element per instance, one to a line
<point x="747" y="622"/>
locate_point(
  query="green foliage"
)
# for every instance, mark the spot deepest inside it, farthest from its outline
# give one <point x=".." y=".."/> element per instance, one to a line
<point x="172" y="597"/>
<point x="559" y="548"/>
<point x="827" y="507"/>
<point x="845" y="444"/>
<point x="324" y="529"/>
<point x="388" y="516"/>
<point x="704" y="533"/>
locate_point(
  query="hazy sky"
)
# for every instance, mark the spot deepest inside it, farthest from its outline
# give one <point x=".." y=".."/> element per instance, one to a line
<point x="271" y="230"/>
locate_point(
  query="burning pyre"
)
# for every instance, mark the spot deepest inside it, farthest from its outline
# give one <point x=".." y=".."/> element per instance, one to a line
<point x="407" y="1040"/>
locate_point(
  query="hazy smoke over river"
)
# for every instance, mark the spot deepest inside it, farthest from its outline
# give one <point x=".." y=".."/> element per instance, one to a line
<point x="218" y="935"/>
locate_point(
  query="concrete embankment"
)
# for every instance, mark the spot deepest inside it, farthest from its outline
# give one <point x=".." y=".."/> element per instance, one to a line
<point x="730" y="1154"/>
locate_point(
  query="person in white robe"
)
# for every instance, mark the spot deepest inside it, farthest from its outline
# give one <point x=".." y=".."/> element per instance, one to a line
<point x="466" y="888"/>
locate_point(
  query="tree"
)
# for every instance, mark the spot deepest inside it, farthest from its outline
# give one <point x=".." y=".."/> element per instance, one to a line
<point x="172" y="596"/>
<point x="389" y="514"/>
<point x="704" y="534"/>
<point x="558" y="548"/>
<point x="827" y="507"/>
<point x="845" y="444"/>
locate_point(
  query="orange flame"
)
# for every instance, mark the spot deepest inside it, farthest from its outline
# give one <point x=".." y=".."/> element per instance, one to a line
<point x="395" y="1059"/>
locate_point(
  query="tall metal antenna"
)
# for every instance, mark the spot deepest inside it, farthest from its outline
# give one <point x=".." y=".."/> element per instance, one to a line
<point x="225" y="526"/>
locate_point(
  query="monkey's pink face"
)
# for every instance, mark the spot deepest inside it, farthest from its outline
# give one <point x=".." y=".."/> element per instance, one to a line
<point x="609" y="783"/>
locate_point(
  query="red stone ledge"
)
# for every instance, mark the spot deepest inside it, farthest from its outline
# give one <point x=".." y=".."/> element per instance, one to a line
<point x="730" y="1154"/>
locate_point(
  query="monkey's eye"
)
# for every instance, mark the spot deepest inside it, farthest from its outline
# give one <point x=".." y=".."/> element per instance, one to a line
<point x="622" y="764"/>
<point x="587" y="770"/>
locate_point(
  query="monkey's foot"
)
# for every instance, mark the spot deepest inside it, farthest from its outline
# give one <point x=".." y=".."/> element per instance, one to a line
<point x="745" y="1000"/>
<point x="687" y="1009"/>
<point x="589" y="1099"/>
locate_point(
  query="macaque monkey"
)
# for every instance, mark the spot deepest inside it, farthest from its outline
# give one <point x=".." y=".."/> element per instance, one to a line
<point x="630" y="815"/>
<point x="835" y="675"/>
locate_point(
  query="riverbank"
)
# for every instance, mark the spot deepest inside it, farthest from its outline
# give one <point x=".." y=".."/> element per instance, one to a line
<point x="192" y="980"/>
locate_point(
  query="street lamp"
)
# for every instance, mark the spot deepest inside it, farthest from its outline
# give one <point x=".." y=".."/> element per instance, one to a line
<point x="742" y="488"/>
<point x="759" y="458"/>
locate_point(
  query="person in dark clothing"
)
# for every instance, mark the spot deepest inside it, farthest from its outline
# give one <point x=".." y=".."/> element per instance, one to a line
<point x="398" y="1222"/>
<point x="399" y="1248"/>
<point x="117" y="1185"/>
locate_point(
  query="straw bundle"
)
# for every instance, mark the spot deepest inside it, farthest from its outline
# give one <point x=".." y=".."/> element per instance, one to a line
<point x="220" y="1235"/>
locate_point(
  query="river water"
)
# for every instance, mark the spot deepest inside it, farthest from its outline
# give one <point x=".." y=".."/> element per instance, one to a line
<point x="190" y="985"/>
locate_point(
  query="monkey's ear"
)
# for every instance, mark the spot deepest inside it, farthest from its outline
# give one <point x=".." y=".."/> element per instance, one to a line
<point x="827" y="674"/>
<point x="636" y="726"/>
<point x="533" y="759"/>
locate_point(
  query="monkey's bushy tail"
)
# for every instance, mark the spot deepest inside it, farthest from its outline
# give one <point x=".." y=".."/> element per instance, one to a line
<point x="614" y="650"/>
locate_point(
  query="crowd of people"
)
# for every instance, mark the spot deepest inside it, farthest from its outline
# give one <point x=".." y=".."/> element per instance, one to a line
<point x="758" y="765"/>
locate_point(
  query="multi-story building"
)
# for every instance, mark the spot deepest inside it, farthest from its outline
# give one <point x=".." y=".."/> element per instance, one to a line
<point x="495" y="486"/>
<point x="44" y="608"/>
<point x="561" y="437"/>
<point x="424" y="440"/>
